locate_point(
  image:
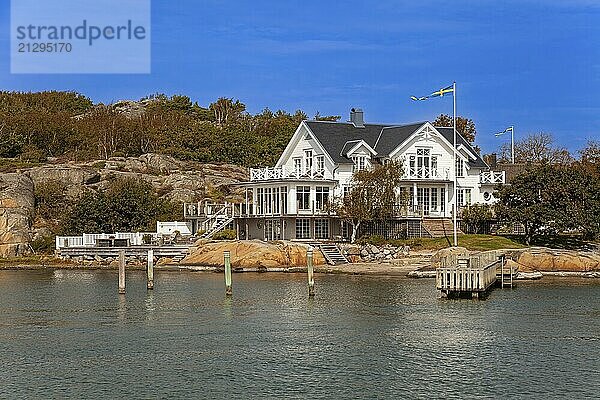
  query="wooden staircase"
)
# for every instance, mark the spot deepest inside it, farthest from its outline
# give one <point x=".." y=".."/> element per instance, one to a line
<point x="332" y="253"/>
<point x="439" y="227"/>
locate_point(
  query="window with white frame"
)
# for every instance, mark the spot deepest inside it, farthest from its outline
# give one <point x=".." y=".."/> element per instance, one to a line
<point x="321" y="229"/>
<point x="463" y="197"/>
<point x="460" y="167"/>
<point x="360" y="163"/>
<point x="302" y="228"/>
<point x="412" y="165"/>
<point x="308" y="161"/>
<point x="321" y="197"/>
<point x="320" y="161"/>
<point x="298" y="166"/>
<point x="303" y="197"/>
<point x="284" y="200"/>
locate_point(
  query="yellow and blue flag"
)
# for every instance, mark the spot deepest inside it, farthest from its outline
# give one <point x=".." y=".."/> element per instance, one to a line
<point x="509" y="129"/>
<point x="438" y="93"/>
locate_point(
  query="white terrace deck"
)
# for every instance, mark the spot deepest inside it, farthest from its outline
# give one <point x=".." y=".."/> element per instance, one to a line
<point x="266" y="174"/>
<point x="422" y="173"/>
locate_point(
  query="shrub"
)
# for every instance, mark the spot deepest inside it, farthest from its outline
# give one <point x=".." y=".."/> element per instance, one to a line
<point x="226" y="234"/>
<point x="44" y="244"/>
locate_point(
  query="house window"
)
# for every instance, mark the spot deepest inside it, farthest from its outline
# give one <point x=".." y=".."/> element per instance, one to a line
<point x="273" y="229"/>
<point x="345" y="191"/>
<point x="434" y="166"/>
<point x="276" y="200"/>
<point x="412" y="169"/>
<point x="308" y="161"/>
<point x="284" y="200"/>
<point x="259" y="200"/>
<point x="460" y="168"/>
<point x="303" y="197"/>
<point x="302" y="228"/>
<point x="423" y="158"/>
<point x="434" y="199"/>
<point x="321" y="229"/>
<point x="442" y="199"/>
<point x="360" y="163"/>
<point x="298" y="166"/>
<point x="321" y="197"/>
<point x="463" y="197"/>
<point x="320" y="165"/>
<point x="268" y="204"/>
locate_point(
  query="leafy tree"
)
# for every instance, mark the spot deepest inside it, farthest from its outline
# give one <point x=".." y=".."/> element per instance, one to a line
<point x="464" y="126"/>
<point x="549" y="199"/>
<point x="590" y="157"/>
<point x="126" y="205"/>
<point x="476" y="215"/>
<point x="537" y="148"/>
<point x="372" y="196"/>
<point x="226" y="110"/>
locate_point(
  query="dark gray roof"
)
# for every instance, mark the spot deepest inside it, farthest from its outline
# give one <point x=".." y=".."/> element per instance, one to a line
<point x="384" y="139"/>
<point x="448" y="133"/>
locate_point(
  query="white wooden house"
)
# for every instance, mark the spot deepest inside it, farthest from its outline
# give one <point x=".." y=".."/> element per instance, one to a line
<point x="287" y="201"/>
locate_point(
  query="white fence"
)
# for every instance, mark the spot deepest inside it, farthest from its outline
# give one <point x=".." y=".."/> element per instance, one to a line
<point x="272" y="173"/>
<point x="492" y="177"/>
<point x="90" y="239"/>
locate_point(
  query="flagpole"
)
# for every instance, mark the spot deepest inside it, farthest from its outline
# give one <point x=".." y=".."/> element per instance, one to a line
<point x="454" y="152"/>
<point x="512" y="143"/>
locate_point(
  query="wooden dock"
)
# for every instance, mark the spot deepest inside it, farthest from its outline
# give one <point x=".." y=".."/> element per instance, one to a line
<point x="471" y="276"/>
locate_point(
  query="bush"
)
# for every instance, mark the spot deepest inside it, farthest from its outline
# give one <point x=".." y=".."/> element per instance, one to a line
<point x="376" y="240"/>
<point x="33" y="155"/>
<point x="226" y="234"/>
<point x="128" y="205"/>
<point x="44" y="244"/>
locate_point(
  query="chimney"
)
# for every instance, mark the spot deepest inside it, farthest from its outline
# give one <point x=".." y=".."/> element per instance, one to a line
<point x="357" y="118"/>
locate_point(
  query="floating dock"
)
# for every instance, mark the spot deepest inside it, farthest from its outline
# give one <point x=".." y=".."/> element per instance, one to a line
<point x="472" y="276"/>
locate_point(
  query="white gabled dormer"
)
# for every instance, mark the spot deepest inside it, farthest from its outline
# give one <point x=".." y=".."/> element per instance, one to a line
<point x="305" y="156"/>
<point x="360" y="153"/>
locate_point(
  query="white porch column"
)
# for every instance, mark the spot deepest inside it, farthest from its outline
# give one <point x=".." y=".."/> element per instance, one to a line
<point x="415" y="201"/>
<point x="445" y="200"/>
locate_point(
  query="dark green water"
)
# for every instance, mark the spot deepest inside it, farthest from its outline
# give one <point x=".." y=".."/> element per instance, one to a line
<point x="68" y="334"/>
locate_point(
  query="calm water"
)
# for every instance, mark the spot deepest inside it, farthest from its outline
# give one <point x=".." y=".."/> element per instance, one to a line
<point x="69" y="334"/>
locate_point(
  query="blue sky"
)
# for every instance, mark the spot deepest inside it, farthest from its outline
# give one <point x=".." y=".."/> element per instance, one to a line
<point x="532" y="64"/>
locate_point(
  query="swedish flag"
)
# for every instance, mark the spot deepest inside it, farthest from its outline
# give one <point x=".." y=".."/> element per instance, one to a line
<point x="438" y="93"/>
<point x="509" y="129"/>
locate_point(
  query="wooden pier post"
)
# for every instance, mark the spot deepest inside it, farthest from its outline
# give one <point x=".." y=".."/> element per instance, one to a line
<point x="121" y="271"/>
<point x="309" y="264"/>
<point x="150" y="269"/>
<point x="227" y="261"/>
<point x="501" y="272"/>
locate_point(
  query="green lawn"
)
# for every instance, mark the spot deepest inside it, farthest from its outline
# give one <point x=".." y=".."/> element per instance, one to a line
<point x="471" y="242"/>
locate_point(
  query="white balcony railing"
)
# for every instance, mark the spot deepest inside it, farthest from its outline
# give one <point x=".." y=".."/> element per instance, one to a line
<point x="427" y="173"/>
<point x="492" y="177"/>
<point x="271" y="173"/>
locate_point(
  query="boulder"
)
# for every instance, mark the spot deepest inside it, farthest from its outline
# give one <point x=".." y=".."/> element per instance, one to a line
<point x="549" y="260"/>
<point x="252" y="254"/>
<point x="17" y="203"/>
<point x="73" y="177"/>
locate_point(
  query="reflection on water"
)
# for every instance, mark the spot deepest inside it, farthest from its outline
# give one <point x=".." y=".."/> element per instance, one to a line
<point x="69" y="334"/>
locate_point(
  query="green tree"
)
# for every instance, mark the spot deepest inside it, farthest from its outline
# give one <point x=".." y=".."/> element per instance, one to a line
<point x="476" y="215"/>
<point x="127" y="205"/>
<point x="372" y="195"/>
<point x="537" y="148"/>
<point x="549" y="199"/>
<point x="464" y="126"/>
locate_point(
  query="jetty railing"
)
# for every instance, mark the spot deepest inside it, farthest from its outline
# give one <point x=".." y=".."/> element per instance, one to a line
<point x="467" y="275"/>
